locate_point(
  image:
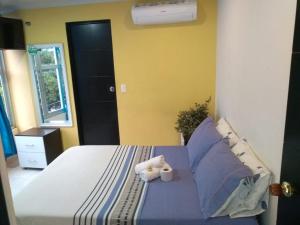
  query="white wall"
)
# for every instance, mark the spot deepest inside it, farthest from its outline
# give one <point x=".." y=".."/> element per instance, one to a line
<point x="254" y="46"/>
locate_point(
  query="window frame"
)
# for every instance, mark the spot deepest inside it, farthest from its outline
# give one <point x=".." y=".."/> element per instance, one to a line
<point x="6" y="92"/>
<point x="38" y="107"/>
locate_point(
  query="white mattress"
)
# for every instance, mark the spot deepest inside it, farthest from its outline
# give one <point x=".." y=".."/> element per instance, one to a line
<point x="59" y="190"/>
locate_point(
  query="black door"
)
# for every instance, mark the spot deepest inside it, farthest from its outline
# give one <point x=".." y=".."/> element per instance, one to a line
<point x="3" y="209"/>
<point x="91" y="55"/>
<point x="289" y="206"/>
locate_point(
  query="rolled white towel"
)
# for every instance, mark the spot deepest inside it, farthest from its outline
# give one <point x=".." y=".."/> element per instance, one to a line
<point x="166" y="166"/>
<point x="166" y="173"/>
<point x="156" y="162"/>
<point x="150" y="174"/>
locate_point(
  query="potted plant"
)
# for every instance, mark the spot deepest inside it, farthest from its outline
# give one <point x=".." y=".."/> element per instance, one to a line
<point x="188" y="120"/>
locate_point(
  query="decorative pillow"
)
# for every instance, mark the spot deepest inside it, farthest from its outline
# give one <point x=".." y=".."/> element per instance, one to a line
<point x="204" y="136"/>
<point x="257" y="199"/>
<point x="251" y="197"/>
<point x="218" y="174"/>
<point x="227" y="132"/>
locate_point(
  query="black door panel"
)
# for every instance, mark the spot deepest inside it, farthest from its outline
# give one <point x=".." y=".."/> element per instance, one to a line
<point x="96" y="62"/>
<point x="97" y="89"/>
<point x="92" y="35"/>
<point x="288" y="207"/>
<point x="292" y="126"/>
<point x="99" y="113"/>
<point x="101" y="89"/>
<point x="98" y="119"/>
<point x="296" y="44"/>
<point x="91" y="55"/>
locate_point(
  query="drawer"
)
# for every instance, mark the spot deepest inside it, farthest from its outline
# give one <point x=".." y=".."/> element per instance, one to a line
<point x="32" y="160"/>
<point x="29" y="144"/>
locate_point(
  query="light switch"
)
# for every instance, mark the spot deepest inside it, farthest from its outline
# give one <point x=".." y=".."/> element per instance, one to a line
<point x="123" y="88"/>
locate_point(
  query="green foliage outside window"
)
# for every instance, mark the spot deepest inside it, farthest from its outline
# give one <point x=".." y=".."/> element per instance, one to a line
<point x="46" y="57"/>
<point x="51" y="89"/>
<point x="50" y="81"/>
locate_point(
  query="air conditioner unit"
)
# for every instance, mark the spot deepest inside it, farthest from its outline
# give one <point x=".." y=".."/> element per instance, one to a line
<point x="174" y="11"/>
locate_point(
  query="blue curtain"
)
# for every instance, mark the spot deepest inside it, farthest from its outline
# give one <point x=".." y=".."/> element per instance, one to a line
<point x="8" y="141"/>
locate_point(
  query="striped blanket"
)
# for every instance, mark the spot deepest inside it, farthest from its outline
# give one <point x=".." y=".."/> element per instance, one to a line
<point x="116" y="198"/>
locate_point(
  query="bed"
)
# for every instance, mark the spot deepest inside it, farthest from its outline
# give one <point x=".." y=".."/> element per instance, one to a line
<point x="97" y="185"/>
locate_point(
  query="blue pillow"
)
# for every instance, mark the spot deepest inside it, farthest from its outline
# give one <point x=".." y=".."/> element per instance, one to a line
<point x="217" y="176"/>
<point x="204" y="136"/>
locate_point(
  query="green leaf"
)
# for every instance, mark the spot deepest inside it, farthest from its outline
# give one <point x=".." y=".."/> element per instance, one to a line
<point x="189" y="120"/>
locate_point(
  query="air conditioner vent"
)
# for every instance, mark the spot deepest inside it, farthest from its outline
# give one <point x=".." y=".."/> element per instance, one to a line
<point x="172" y="11"/>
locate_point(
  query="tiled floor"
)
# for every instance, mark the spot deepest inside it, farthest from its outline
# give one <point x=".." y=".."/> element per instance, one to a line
<point x="19" y="177"/>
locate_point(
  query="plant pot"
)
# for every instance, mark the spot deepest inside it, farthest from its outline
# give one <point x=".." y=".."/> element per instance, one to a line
<point x="183" y="140"/>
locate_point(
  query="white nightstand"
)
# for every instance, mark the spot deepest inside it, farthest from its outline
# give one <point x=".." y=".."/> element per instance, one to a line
<point x="37" y="147"/>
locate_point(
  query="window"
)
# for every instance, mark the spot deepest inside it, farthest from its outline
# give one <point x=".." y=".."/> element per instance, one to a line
<point x="50" y="84"/>
<point x="4" y="91"/>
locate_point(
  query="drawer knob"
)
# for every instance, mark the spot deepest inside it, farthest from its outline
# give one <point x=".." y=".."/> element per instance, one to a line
<point x="29" y="145"/>
<point x="32" y="161"/>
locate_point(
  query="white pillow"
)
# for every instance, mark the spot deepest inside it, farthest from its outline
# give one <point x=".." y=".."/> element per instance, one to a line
<point x="247" y="156"/>
<point x="226" y="131"/>
<point x="257" y="199"/>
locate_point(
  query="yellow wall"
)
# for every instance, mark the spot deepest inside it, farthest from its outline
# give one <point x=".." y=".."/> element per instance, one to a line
<point x="166" y="68"/>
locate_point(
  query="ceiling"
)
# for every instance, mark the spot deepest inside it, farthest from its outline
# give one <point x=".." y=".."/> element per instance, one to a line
<point x="7" y="6"/>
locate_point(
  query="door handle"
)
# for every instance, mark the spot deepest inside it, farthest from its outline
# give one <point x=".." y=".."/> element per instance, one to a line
<point x="288" y="190"/>
<point x="112" y="89"/>
<point x="285" y="189"/>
